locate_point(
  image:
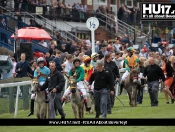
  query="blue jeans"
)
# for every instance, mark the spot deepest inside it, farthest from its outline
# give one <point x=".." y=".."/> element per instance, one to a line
<point x="140" y="95"/>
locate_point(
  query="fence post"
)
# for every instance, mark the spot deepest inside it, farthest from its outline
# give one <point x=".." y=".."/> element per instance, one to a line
<point x="16" y="105"/>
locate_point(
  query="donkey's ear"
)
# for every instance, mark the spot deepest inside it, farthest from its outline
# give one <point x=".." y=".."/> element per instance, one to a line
<point x="30" y="75"/>
<point x="67" y="75"/>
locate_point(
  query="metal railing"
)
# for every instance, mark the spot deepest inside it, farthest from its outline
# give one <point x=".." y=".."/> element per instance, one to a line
<point x="123" y="27"/>
<point x="50" y="26"/>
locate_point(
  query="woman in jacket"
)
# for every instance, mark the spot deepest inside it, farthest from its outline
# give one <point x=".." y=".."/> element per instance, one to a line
<point x="168" y="72"/>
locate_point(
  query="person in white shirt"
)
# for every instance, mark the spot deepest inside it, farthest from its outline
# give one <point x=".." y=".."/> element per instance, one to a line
<point x="116" y="45"/>
<point x="67" y="65"/>
<point x="142" y="53"/>
<point x="88" y="42"/>
<point x="14" y="66"/>
<point x="43" y="43"/>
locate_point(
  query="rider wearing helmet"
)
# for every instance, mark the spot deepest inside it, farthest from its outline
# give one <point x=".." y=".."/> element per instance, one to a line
<point x="79" y="78"/>
<point x="94" y="59"/>
<point x="130" y="61"/>
<point x="41" y="72"/>
<point x="87" y="68"/>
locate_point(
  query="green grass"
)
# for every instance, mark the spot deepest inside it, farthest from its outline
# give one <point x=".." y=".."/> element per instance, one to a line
<point x="119" y="111"/>
<point x="4" y="105"/>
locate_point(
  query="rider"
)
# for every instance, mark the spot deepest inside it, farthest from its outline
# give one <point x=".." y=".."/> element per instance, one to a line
<point x="41" y="72"/>
<point x="88" y="69"/>
<point x="79" y="79"/>
<point x="94" y="59"/>
<point x="130" y="61"/>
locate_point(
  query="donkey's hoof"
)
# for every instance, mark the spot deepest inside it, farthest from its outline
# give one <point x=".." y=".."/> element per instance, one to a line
<point x="88" y="108"/>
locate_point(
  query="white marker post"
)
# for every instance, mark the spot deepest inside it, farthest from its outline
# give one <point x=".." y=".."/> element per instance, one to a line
<point x="92" y="23"/>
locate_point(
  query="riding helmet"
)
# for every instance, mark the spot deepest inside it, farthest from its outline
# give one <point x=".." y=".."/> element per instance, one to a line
<point x="40" y="59"/>
<point x="87" y="59"/>
<point x="94" y="55"/>
<point x="130" y="49"/>
<point x="76" y="59"/>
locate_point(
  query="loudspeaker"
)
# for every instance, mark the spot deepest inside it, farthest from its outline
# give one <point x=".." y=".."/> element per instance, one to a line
<point x="27" y="49"/>
<point x="141" y="40"/>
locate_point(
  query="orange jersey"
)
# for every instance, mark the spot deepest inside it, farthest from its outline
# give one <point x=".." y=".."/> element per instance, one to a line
<point x="88" y="72"/>
<point x="132" y="61"/>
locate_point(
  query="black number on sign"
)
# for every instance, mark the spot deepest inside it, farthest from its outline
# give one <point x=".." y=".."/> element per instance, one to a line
<point x="92" y="24"/>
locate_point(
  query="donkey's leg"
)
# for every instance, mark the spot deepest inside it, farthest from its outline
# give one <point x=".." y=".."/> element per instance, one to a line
<point x="129" y="94"/>
<point x="74" y="110"/>
<point x="134" y="94"/>
<point x="82" y="109"/>
<point x="38" y="111"/>
<point x="92" y="104"/>
<point x="79" y="112"/>
<point x="43" y="111"/>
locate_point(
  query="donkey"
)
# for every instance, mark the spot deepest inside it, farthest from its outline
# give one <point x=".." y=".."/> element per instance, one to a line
<point x="40" y="99"/>
<point x="75" y="97"/>
<point x="131" y="85"/>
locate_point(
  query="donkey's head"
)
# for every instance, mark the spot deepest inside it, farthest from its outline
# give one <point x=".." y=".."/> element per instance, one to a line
<point x="34" y="84"/>
<point x="134" y="76"/>
<point x="72" y="84"/>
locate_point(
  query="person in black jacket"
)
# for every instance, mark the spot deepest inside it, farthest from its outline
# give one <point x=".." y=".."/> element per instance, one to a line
<point x="23" y="67"/>
<point x="120" y="12"/>
<point x="115" y="71"/>
<point x="57" y="61"/>
<point x="102" y="80"/>
<point x="153" y="73"/>
<point x="55" y="83"/>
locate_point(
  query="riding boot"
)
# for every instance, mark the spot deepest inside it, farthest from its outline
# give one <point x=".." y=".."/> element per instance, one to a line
<point x="121" y="88"/>
<point x="31" y="108"/>
<point x="87" y="108"/>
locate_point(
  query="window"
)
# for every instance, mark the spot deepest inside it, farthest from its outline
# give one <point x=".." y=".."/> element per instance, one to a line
<point x="122" y="2"/>
<point x="104" y="1"/>
<point x="128" y="2"/>
<point x="135" y="3"/>
<point x="113" y="2"/>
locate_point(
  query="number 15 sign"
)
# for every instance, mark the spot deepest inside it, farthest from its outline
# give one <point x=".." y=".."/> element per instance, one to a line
<point x="92" y="23"/>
